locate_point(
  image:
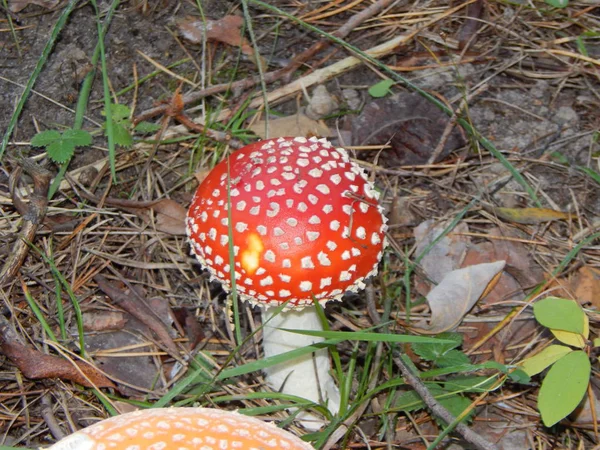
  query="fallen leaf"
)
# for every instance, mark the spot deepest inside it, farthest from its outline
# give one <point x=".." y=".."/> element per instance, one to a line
<point x="410" y="125"/>
<point x="531" y="216"/>
<point x="103" y="320"/>
<point x="18" y="5"/>
<point x="587" y="286"/>
<point x="169" y="217"/>
<point x="296" y="125"/>
<point x="38" y="366"/>
<point x="226" y="30"/>
<point x="446" y="254"/>
<point x="456" y="294"/>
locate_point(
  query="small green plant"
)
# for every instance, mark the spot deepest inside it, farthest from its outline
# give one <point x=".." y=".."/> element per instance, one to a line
<point x="122" y="126"/>
<point x="381" y="89"/>
<point x="565" y="384"/>
<point x="61" y="146"/>
<point x="558" y="3"/>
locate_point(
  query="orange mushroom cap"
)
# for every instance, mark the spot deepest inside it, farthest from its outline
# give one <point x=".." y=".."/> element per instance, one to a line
<point x="181" y="429"/>
<point x="305" y="222"/>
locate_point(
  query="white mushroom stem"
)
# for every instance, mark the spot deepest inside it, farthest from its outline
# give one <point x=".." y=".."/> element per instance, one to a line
<point x="307" y="376"/>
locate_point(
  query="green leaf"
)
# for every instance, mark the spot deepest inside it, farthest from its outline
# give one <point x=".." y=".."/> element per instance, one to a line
<point x="559" y="314"/>
<point x="45" y="138"/>
<point x="381" y="89"/>
<point x="519" y="376"/>
<point x="60" y="151"/>
<point x="79" y="138"/>
<point x="544" y="359"/>
<point x="564" y="387"/>
<point x="558" y="3"/>
<point x="364" y="336"/>
<point x="470" y="384"/>
<point x="591" y="173"/>
<point x="122" y="135"/>
<point x="456" y="404"/>
<point x="432" y="352"/>
<point x="452" y="358"/>
<point x="146" y="127"/>
<point x="120" y="112"/>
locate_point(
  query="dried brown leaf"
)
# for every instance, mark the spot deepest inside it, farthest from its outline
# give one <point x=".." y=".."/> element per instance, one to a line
<point x="18" y="5"/>
<point x="226" y="30"/>
<point x="170" y="217"/>
<point x="296" y="125"/>
<point x="587" y="286"/>
<point x="37" y="365"/>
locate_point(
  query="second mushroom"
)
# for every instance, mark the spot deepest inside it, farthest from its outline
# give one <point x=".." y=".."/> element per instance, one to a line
<point x="305" y="225"/>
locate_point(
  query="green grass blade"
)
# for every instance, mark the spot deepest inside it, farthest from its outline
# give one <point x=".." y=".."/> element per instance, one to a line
<point x="60" y="23"/>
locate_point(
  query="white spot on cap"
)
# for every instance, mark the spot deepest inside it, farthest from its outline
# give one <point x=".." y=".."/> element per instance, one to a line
<point x="275" y="182"/>
<point x="202" y="236"/>
<point x="241" y="227"/>
<point x="334" y="225"/>
<point x="346" y="255"/>
<point x="325" y="282"/>
<point x="347" y="209"/>
<point x="312" y="235"/>
<point x="224" y="240"/>
<point x="323" y="259"/>
<point x="274" y="209"/>
<point x="302" y="162"/>
<point x="216" y="213"/>
<point x="335" y="179"/>
<point x="272" y="169"/>
<point x="286" y="263"/>
<point x="225" y="221"/>
<point x="323" y="189"/>
<point x="292" y="222"/>
<point x="298" y="240"/>
<point x="302" y="207"/>
<point x="262" y="230"/>
<point x="317" y="159"/>
<point x="289" y="203"/>
<point x="208" y="250"/>
<point x="352" y="268"/>
<point x="361" y="233"/>
<point x="306" y="263"/>
<point x="314" y="220"/>
<point x="289" y="176"/>
<point x="212" y="233"/>
<point x="305" y="286"/>
<point x="345" y="276"/>
<point x="375" y="239"/>
<point x="266" y="281"/>
<point x="346" y="232"/>
<point x="331" y="245"/>
<point x="261" y="271"/>
<point x="327" y="209"/>
<point x="285" y="278"/>
<point x="363" y="207"/>
<point x="284" y="246"/>
<point x="241" y="205"/>
<point x="248" y="281"/>
<point x="355" y="251"/>
<point x="351" y="176"/>
<point x="216" y="193"/>
<point x="300" y="139"/>
<point x="234" y="192"/>
<point x="278" y="231"/>
<point x="260" y="185"/>
<point x="313" y="199"/>
<point x="315" y="173"/>
<point x="283" y="293"/>
<point x="255" y="210"/>
<point x="204" y="216"/>
<point x="270" y="256"/>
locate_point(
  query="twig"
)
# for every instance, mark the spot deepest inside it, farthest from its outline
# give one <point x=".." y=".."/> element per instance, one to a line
<point x="464" y="431"/>
<point x="340" y="33"/>
<point x="33" y="214"/>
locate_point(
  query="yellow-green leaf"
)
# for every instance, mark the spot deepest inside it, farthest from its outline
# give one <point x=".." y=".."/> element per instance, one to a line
<point x="564" y="387"/>
<point x="574" y="339"/>
<point x="559" y="314"/>
<point x="537" y="363"/>
<point x="531" y="216"/>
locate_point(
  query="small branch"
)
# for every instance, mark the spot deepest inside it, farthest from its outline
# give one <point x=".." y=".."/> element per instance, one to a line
<point x="33" y="214"/>
<point x="415" y="382"/>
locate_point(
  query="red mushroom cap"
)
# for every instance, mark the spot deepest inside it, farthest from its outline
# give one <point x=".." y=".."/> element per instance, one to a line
<point x="181" y="429"/>
<point x="305" y="222"/>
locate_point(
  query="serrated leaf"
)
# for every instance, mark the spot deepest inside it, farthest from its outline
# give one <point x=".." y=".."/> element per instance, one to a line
<point x="564" y="387"/>
<point x="122" y="135"/>
<point x="381" y="89"/>
<point x="559" y="314"/>
<point x="120" y="112"/>
<point x="452" y="358"/>
<point x="146" y="127"/>
<point x="544" y="359"/>
<point x="45" y="138"/>
<point x="60" y="151"/>
<point x="79" y="138"/>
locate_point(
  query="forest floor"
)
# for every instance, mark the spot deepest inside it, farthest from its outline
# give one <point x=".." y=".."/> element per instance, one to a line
<point x="477" y="121"/>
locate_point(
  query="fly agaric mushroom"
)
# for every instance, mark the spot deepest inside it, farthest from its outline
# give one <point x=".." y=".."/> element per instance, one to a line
<point x="305" y="225"/>
<point x="181" y="429"/>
